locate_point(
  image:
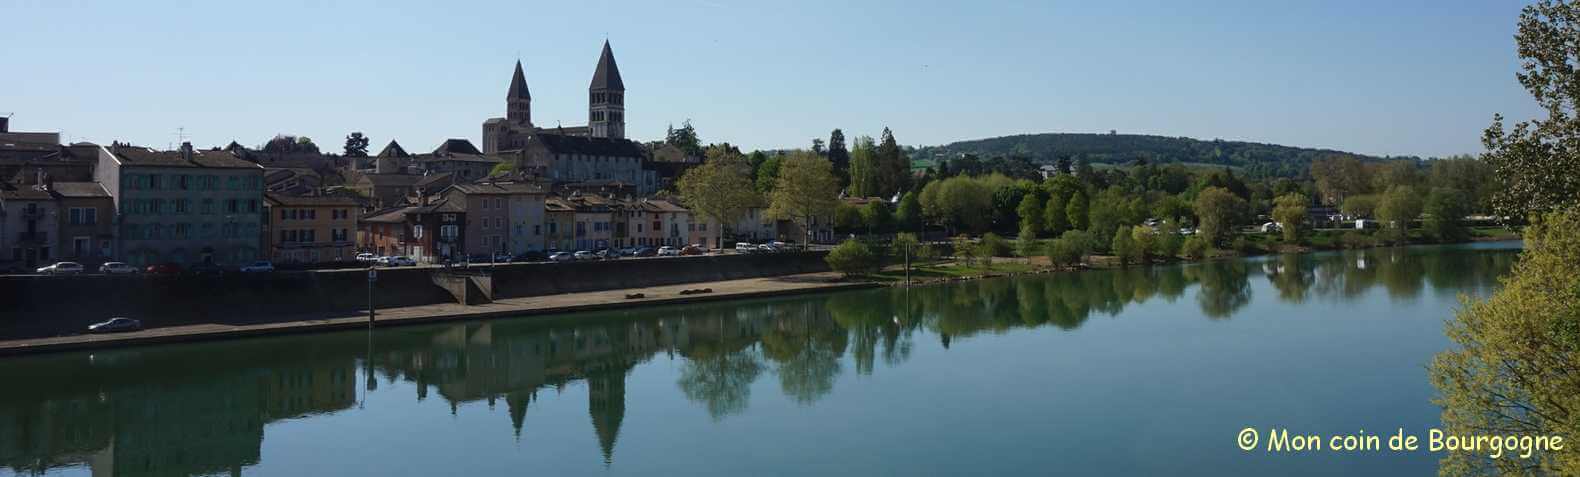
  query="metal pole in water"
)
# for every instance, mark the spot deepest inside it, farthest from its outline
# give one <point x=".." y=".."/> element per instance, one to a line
<point x="373" y="275"/>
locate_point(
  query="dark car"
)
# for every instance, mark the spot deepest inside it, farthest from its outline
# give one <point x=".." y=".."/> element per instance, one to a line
<point x="116" y="325"/>
<point x="532" y="257"/>
<point x="163" y="269"/>
<point x="645" y="252"/>
<point x="206" y="270"/>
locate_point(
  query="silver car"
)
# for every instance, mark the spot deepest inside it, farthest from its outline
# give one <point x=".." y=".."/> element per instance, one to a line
<point x="62" y="268"/>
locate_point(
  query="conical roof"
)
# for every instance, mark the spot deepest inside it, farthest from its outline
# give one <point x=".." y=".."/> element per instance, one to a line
<point x="607" y="76"/>
<point x="518" y="85"/>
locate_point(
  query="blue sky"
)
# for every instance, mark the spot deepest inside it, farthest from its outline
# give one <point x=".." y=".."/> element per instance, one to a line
<point x="1396" y="77"/>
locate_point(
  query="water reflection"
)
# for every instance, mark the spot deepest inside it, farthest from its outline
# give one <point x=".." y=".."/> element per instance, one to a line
<point x="202" y="409"/>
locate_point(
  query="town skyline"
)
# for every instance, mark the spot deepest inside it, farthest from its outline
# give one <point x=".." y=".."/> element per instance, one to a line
<point x="932" y="74"/>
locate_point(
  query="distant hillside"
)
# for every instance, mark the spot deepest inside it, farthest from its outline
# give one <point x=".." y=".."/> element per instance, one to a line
<point x="1254" y="159"/>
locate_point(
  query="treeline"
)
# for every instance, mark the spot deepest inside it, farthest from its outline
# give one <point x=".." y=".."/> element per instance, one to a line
<point x="1253" y="159"/>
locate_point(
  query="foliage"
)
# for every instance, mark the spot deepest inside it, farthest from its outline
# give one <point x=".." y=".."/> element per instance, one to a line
<point x="1538" y="161"/>
<point x="1513" y="369"/>
<point x="1219" y="212"/>
<point x="685" y="139"/>
<point x="909" y="214"/>
<point x="1444" y="209"/>
<point x="1353" y="239"/>
<point x="1194" y="247"/>
<point x="876" y="216"/>
<point x="864" y="168"/>
<point x="839" y="156"/>
<point x="905" y="241"/>
<point x="1124" y="247"/>
<point x="1290" y="213"/>
<point x="356" y="145"/>
<point x="1399" y="206"/>
<point x="806" y="189"/>
<point x="1077" y="211"/>
<point x="847" y="218"/>
<point x="1065" y="252"/>
<point x="963" y="249"/>
<point x="720" y="188"/>
<point x="1027" y="244"/>
<point x="1168" y="241"/>
<point x="1260" y="160"/>
<point x="992" y="245"/>
<point x="1339" y="178"/>
<point x="1055" y="220"/>
<point x="852" y="257"/>
<point x="958" y="202"/>
<point x="768" y="174"/>
<point x="1144" y="240"/>
<point x="892" y="166"/>
<point x="504" y="167"/>
<point x="1081" y="240"/>
<point x="1361" y="206"/>
<point x="283" y="144"/>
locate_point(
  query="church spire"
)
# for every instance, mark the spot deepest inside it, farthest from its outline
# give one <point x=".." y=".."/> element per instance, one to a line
<point x="607" y="76"/>
<point x="518" y="85"/>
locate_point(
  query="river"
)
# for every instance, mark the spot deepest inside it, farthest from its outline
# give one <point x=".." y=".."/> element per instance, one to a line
<point x="1140" y="371"/>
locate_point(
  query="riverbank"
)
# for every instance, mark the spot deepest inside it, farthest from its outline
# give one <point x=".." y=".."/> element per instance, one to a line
<point x="419" y="314"/>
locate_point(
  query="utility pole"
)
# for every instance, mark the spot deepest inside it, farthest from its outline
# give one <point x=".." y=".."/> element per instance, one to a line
<point x="373" y="275"/>
<point x="907" y="263"/>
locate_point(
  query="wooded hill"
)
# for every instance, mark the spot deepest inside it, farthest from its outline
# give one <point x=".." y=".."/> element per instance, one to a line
<point x="1254" y="159"/>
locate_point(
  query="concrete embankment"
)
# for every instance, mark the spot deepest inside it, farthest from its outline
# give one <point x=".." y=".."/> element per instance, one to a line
<point x="32" y="306"/>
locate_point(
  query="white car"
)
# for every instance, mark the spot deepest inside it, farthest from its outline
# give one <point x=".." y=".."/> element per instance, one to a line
<point x="668" y="251"/>
<point x="117" y="268"/>
<point x="585" y="255"/>
<point x="62" y="268"/>
<point x="562" y="257"/>
<point x="261" y="266"/>
<point x="743" y="247"/>
<point x="396" y="261"/>
<point x="366" y="257"/>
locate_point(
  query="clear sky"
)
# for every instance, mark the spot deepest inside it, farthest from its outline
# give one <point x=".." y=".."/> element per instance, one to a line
<point x="1391" y="77"/>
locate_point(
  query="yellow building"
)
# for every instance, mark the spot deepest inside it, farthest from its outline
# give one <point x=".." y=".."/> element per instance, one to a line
<point x="307" y="230"/>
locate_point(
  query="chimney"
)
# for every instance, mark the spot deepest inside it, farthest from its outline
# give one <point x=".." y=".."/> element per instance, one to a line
<point x="186" y="151"/>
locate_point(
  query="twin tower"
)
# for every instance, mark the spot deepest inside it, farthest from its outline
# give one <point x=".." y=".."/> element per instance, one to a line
<point x="605" y="109"/>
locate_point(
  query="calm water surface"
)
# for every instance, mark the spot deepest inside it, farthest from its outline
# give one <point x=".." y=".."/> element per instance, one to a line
<point x="1127" y="372"/>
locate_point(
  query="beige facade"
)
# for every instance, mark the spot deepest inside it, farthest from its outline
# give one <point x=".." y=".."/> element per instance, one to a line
<point x="308" y="230"/>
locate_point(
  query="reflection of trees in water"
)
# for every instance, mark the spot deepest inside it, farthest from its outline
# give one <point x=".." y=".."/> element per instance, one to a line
<point x="1225" y="287"/>
<point x="805" y="346"/>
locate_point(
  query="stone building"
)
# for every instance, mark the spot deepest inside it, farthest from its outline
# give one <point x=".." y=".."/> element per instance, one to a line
<point x="501" y="217"/>
<point x="184" y="206"/>
<point x="308" y="229"/>
<point x="87" y="231"/>
<point x="29" y="226"/>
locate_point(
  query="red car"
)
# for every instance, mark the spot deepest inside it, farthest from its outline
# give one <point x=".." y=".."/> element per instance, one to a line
<point x="164" y="269"/>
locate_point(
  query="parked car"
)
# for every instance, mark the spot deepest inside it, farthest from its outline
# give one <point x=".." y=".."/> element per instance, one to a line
<point x="767" y="248"/>
<point x="261" y="266"/>
<point x="397" y="261"/>
<point x="668" y="251"/>
<point x="585" y="255"/>
<point x="366" y="257"/>
<point x="163" y="269"/>
<point x="644" y="252"/>
<point x="502" y="257"/>
<point x="117" y="268"/>
<point x="61" y="268"/>
<point x="206" y="270"/>
<point x="562" y="257"/>
<point x="531" y="257"/>
<point x="628" y="252"/>
<point x="115" y="325"/>
<point x="694" y="249"/>
<point x="607" y="253"/>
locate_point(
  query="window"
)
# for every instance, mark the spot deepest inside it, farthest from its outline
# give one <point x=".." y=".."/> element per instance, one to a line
<point x="208" y="206"/>
<point x="232" y="205"/>
<point x="76" y="216"/>
<point x="312" y="214"/>
<point x="181" y="181"/>
<point x="90" y="216"/>
<point x="284" y="213"/>
<point x="252" y="205"/>
<point x="183" y="231"/>
<point x="181" y="205"/>
<point x="537" y="230"/>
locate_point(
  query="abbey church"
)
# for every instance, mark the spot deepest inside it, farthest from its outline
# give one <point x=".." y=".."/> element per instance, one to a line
<point x="597" y="154"/>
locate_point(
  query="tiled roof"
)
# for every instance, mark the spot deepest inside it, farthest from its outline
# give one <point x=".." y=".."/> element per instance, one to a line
<point x="457" y="146"/>
<point x="306" y="201"/>
<point x="142" y="156"/>
<point x="80" y="189"/>
<point x="498" y="189"/>
<point x="394" y="150"/>
<point x="436" y="180"/>
<point x="607" y="76"/>
<point x="518" y="85"/>
<point x="592" y="146"/>
<point x="392" y="179"/>
<point x="25" y="193"/>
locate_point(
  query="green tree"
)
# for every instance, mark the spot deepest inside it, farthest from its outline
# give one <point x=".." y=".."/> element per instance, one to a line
<point x="1123" y="247"/>
<point x="1064" y="252"/>
<point x="1194" y="247"/>
<point x="1144" y="240"/>
<point x="1027" y="244"/>
<point x="876" y="216"/>
<point x="1054" y="218"/>
<point x="768" y="174"/>
<point x="720" y="189"/>
<point x="1361" y="206"/>
<point x="1339" y="177"/>
<point x="356" y="145"/>
<point x="909" y="213"/>
<point x="864" y="168"/>
<point x="1077" y="211"/>
<point x="958" y="202"/>
<point x="839" y="156"/>
<point x="806" y="189"/>
<point x="1219" y="212"/>
<point x="1031" y="216"/>
<point x="685" y="139"/>
<point x="995" y="246"/>
<point x="847" y="219"/>
<point x="1538" y="161"/>
<point x="852" y="257"/>
<point x="1169" y="240"/>
<point x="1399" y="206"/>
<point x="1513" y="369"/>
<point x="894" y="169"/>
<point x="1290" y="212"/>
<point x="1444" y="209"/>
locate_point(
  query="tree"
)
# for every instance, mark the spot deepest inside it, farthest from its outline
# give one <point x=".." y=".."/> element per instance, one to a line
<point x="1399" y="206"/>
<point x="768" y="174"/>
<point x="356" y="145"/>
<point x="1512" y="371"/>
<point x="1124" y="247"/>
<point x="685" y="138"/>
<point x="720" y="189"/>
<point x="1031" y="216"/>
<point x="1444" y="209"/>
<point x="1361" y="206"/>
<point x="1290" y="213"/>
<point x="958" y="202"/>
<point x="852" y="257"/>
<point x="1055" y="220"/>
<point x="1064" y="252"/>
<point x="909" y="213"/>
<point x="1538" y="161"/>
<point x="877" y="217"/>
<point x="1339" y="177"/>
<point x="283" y="144"/>
<point x="1219" y="212"/>
<point x="1077" y="211"/>
<point x="1144" y="240"/>
<point x="864" y="168"/>
<point x="847" y="218"/>
<point x="1026" y="243"/>
<point x="839" y="156"/>
<point x="1194" y="247"/>
<point x="894" y="169"/>
<point x="993" y="245"/>
<point x="1169" y="240"/>
<point x="806" y="189"/>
